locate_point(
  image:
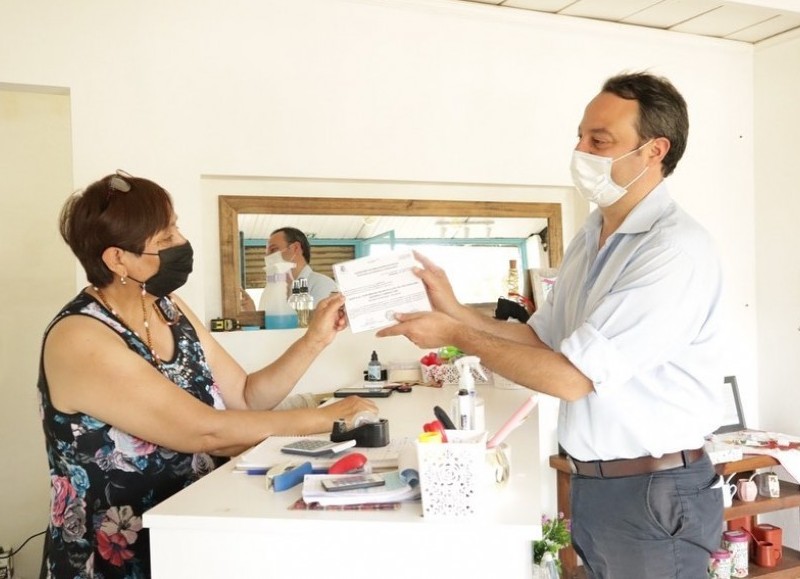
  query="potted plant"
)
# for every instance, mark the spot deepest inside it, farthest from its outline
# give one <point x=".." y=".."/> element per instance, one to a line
<point x="555" y="536"/>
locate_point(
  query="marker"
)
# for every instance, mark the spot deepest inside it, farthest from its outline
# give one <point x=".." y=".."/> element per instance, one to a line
<point x="442" y="417"/>
<point x="516" y="419"/>
<point x="428" y="437"/>
<point x="465" y="410"/>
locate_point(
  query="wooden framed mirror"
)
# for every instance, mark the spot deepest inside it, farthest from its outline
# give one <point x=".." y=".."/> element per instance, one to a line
<point x="232" y="206"/>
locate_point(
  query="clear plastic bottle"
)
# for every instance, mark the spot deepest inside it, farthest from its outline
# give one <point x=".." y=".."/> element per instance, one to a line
<point x="305" y="307"/>
<point x="277" y="312"/>
<point x="471" y="413"/>
<point x="295" y="302"/>
<point x="301" y="302"/>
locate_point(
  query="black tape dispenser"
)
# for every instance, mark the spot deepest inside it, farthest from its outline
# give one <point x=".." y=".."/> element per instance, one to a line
<point x="368" y="431"/>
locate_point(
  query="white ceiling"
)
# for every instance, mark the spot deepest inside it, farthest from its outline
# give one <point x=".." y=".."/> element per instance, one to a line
<point x="748" y="21"/>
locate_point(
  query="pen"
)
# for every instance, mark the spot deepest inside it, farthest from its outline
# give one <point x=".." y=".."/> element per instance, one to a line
<point x="253" y="471"/>
<point x="263" y="471"/>
<point x="516" y="419"/>
<point x="442" y="417"/>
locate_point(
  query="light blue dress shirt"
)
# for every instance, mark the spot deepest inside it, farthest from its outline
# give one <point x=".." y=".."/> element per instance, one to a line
<point x="641" y="319"/>
<point x="319" y="286"/>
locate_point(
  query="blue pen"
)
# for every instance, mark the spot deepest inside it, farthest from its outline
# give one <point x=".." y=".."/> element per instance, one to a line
<point x="258" y="471"/>
<point x="263" y="471"/>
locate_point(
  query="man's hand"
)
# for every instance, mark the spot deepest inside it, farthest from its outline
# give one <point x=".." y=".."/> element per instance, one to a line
<point x="424" y="329"/>
<point x="440" y="292"/>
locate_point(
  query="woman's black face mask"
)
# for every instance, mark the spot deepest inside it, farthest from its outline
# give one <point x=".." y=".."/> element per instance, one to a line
<point x="173" y="271"/>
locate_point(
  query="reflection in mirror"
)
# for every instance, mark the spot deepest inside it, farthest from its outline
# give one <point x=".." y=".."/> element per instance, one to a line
<point x="449" y="232"/>
<point x="475" y="251"/>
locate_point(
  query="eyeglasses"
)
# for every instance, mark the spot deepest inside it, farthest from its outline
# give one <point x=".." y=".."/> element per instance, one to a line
<point x="116" y="184"/>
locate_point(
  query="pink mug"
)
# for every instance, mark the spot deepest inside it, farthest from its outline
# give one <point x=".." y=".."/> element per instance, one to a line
<point x="748" y="491"/>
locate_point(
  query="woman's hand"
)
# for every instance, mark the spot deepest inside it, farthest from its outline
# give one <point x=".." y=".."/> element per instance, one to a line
<point x="328" y="320"/>
<point x="347" y="408"/>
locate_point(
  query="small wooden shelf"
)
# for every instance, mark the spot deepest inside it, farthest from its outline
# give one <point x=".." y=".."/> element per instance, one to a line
<point x="789" y="567"/>
<point x="790" y="498"/>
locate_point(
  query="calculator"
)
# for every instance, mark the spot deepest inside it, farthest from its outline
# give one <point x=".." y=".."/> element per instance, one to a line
<point x="359" y="481"/>
<point x="316" y="446"/>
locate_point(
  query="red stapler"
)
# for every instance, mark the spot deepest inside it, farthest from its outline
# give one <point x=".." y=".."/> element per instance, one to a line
<point x="350" y="463"/>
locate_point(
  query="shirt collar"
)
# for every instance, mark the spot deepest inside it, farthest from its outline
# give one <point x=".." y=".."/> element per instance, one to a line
<point x="642" y="216"/>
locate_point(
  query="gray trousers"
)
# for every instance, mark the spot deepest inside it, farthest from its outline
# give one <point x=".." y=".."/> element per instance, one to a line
<point x="661" y="525"/>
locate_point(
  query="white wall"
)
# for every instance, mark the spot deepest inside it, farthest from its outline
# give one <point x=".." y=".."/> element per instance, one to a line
<point x="408" y="90"/>
<point x="777" y="273"/>
<point x="37" y="277"/>
<point x="776" y="219"/>
<point x="419" y="90"/>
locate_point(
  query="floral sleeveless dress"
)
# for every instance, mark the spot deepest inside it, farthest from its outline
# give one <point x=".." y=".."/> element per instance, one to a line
<point x="103" y="479"/>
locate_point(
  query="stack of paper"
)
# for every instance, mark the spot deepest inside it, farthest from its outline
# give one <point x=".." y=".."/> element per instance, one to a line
<point x="395" y="490"/>
<point x="379" y="286"/>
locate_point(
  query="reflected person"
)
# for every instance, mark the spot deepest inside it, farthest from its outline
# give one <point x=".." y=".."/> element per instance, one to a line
<point x="293" y="246"/>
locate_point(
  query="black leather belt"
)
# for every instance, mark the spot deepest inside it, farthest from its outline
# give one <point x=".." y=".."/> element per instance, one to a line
<point x="634" y="466"/>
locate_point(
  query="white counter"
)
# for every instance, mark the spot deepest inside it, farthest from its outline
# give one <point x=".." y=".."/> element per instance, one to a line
<point x="228" y="525"/>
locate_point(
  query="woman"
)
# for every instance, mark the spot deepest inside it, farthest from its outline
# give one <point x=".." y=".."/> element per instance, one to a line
<point x="137" y="399"/>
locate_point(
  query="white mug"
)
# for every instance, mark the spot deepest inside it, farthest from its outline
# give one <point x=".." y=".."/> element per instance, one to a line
<point x="728" y="491"/>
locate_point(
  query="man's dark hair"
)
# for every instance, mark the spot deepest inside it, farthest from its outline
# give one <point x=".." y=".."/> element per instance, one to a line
<point x="662" y="111"/>
<point x="292" y="234"/>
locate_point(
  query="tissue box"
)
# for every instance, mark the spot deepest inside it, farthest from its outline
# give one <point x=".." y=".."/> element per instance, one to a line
<point x="452" y="475"/>
<point x="448" y="374"/>
<point x="768" y="485"/>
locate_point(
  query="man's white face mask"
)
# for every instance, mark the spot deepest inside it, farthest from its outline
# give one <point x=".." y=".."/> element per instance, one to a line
<point x="591" y="175"/>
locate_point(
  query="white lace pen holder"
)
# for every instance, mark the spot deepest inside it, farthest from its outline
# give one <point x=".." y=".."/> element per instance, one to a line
<point x="453" y="475"/>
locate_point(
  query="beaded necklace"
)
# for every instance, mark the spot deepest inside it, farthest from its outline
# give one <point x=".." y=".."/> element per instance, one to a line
<point x="149" y="338"/>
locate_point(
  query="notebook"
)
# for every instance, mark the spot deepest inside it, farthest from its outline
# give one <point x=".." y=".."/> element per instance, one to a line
<point x="395" y="489"/>
<point x="268" y="453"/>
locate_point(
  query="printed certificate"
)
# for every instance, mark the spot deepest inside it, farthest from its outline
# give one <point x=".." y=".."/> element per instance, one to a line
<point x="377" y="287"/>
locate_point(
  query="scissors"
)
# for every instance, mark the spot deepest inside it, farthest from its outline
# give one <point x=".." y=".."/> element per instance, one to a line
<point x="401" y="387"/>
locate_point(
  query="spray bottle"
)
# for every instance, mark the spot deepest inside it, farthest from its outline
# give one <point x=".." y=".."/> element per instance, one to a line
<point x="468" y="406"/>
<point x="278" y="314"/>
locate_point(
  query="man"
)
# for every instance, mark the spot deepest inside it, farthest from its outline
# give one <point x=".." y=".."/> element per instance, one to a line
<point x="293" y="246"/>
<point x="628" y="339"/>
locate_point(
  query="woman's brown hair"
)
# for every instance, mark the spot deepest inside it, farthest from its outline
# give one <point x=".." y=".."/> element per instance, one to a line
<point x="119" y="210"/>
